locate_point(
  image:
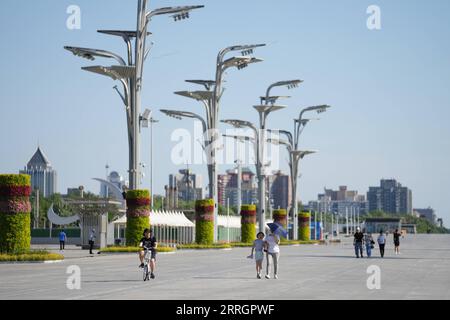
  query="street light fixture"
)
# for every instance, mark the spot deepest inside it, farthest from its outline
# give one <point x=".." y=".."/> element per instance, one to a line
<point x="130" y="74"/>
<point x="211" y="100"/>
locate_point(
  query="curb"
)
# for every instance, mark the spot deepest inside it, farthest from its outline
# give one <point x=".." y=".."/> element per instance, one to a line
<point x="33" y="262"/>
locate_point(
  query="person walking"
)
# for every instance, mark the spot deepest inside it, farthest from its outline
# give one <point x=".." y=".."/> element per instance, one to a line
<point x="62" y="240"/>
<point x="92" y="238"/>
<point x="272" y="242"/>
<point x="258" y="247"/>
<point x="368" y="240"/>
<point x="358" y="239"/>
<point x="397" y="236"/>
<point x="381" y="242"/>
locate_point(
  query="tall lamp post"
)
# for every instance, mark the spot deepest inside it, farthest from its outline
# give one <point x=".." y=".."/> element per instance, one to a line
<point x="293" y="145"/>
<point x="263" y="111"/>
<point x="299" y="125"/>
<point x="211" y="100"/>
<point x="146" y="121"/>
<point x="130" y="73"/>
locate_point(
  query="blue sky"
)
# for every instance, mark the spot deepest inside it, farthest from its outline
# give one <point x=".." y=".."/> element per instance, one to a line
<point x="388" y="88"/>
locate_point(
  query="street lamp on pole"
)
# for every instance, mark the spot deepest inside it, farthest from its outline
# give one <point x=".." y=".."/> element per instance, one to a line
<point x="130" y="73"/>
<point x="263" y="111"/>
<point x="211" y="99"/>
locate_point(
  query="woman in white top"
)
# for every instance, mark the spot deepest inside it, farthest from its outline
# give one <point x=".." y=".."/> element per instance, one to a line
<point x="273" y="250"/>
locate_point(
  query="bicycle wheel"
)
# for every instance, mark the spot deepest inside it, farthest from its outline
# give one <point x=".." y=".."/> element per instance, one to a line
<point x="146" y="272"/>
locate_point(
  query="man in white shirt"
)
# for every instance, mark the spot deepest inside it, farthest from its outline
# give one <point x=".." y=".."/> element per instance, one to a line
<point x="273" y="250"/>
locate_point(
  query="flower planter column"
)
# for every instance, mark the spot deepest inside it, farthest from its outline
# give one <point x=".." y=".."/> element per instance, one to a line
<point x="204" y="221"/>
<point x="138" y="215"/>
<point x="280" y="216"/>
<point x="304" y="229"/>
<point x="248" y="223"/>
<point x="15" y="213"/>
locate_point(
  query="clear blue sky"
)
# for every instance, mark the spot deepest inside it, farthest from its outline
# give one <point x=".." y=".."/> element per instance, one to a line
<point x="389" y="88"/>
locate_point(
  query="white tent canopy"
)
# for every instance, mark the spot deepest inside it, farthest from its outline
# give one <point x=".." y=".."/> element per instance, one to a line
<point x="164" y="218"/>
<point x="229" y="222"/>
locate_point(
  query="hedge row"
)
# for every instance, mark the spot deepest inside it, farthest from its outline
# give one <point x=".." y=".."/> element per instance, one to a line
<point x="31" y="256"/>
<point x="204" y="246"/>
<point x="133" y="249"/>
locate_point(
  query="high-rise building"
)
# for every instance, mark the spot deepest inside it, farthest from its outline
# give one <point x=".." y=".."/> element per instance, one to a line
<point x="341" y="201"/>
<point x="280" y="190"/>
<point x="427" y="214"/>
<point x="43" y="177"/>
<point x="188" y="184"/>
<point x="390" y="197"/>
<point x="228" y="187"/>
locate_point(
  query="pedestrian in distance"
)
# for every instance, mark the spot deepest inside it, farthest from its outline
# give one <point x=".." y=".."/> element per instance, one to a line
<point x="62" y="240"/>
<point x="258" y="249"/>
<point x="358" y="239"/>
<point x="149" y="242"/>
<point x="368" y="241"/>
<point x="92" y="238"/>
<point x="381" y="242"/>
<point x="397" y="236"/>
<point x="272" y="242"/>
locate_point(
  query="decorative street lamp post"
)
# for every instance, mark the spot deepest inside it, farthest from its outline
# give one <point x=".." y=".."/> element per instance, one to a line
<point x="130" y="73"/>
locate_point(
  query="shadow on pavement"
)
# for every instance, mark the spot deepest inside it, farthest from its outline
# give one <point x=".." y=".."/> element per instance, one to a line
<point x="111" y="281"/>
<point x="353" y="257"/>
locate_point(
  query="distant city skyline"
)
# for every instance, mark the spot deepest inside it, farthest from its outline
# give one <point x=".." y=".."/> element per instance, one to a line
<point x="388" y="88"/>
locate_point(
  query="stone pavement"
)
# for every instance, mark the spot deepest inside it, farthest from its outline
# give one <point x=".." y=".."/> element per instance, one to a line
<point x="306" y="272"/>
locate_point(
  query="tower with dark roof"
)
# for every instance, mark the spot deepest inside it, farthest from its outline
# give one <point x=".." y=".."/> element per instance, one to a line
<point x="43" y="177"/>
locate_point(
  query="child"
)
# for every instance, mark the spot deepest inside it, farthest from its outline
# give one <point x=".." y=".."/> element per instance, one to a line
<point x="258" y="246"/>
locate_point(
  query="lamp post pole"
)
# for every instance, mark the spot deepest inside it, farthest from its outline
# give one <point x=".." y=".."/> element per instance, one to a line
<point x="130" y="75"/>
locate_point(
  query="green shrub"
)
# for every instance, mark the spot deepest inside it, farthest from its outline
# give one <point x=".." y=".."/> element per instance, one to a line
<point x="15" y="232"/>
<point x="204" y="246"/>
<point x="135" y="229"/>
<point x="15" y="180"/>
<point x="133" y="249"/>
<point x="241" y="244"/>
<point x="292" y="242"/>
<point x="44" y="233"/>
<point x="31" y="256"/>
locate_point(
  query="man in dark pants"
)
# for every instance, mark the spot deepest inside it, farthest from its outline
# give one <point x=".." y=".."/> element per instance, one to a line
<point x="91" y="241"/>
<point x="358" y="242"/>
<point x="62" y="240"/>
<point x="381" y="242"/>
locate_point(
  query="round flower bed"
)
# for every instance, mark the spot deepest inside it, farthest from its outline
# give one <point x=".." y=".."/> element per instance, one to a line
<point x="138" y="215"/>
<point x="280" y="216"/>
<point x="204" y="221"/>
<point x="304" y="231"/>
<point x="15" y="209"/>
<point x="248" y="223"/>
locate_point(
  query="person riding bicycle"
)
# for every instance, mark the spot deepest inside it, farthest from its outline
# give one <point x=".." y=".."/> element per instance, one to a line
<point x="148" y="242"/>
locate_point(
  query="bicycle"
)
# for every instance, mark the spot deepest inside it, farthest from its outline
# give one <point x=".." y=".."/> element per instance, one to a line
<point x="147" y="258"/>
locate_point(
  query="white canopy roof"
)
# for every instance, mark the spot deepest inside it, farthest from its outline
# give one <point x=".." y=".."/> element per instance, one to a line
<point x="164" y="218"/>
<point x="230" y="222"/>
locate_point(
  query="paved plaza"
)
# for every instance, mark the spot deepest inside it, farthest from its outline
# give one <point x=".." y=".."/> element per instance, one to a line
<point x="306" y="272"/>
